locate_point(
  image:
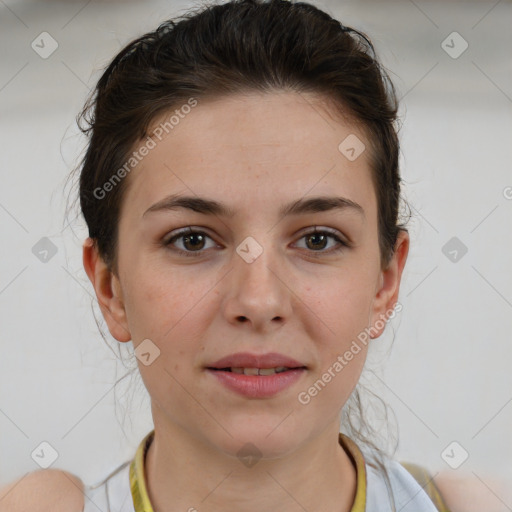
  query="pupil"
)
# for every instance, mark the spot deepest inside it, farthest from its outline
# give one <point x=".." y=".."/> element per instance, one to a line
<point x="187" y="239"/>
<point x="319" y="236"/>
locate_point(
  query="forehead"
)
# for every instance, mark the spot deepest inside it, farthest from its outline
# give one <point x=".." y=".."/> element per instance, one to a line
<point x="264" y="146"/>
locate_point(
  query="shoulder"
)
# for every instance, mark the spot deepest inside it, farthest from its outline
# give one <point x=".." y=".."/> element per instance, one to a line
<point x="460" y="492"/>
<point x="469" y="492"/>
<point x="45" y="490"/>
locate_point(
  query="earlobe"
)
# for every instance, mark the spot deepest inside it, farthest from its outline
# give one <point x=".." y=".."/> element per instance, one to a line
<point x="108" y="291"/>
<point x="389" y="286"/>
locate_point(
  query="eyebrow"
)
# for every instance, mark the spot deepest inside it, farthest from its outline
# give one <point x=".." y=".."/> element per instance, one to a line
<point x="212" y="207"/>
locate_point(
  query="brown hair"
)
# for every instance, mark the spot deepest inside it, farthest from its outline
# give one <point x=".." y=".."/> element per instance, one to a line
<point x="238" y="46"/>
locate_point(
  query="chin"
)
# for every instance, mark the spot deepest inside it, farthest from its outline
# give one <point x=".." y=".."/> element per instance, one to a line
<point x="259" y="439"/>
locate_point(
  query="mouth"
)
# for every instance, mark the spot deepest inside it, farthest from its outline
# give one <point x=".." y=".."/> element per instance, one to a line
<point x="257" y="383"/>
<point x="257" y="371"/>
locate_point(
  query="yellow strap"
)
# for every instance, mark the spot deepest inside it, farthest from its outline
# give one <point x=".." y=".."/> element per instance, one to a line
<point x="422" y="476"/>
<point x="356" y="455"/>
<point x="138" y="488"/>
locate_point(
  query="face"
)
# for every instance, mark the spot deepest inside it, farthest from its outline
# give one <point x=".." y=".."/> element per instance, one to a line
<point x="253" y="278"/>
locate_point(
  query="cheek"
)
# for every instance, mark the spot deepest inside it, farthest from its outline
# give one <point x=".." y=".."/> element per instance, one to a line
<point x="163" y="306"/>
<point x="340" y="308"/>
<point x="167" y="310"/>
<point x="339" y="314"/>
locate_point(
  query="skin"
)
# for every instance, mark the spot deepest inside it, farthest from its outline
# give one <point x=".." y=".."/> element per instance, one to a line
<point x="255" y="153"/>
<point x="48" y="490"/>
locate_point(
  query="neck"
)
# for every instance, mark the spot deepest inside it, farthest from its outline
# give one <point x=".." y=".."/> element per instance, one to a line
<point x="182" y="473"/>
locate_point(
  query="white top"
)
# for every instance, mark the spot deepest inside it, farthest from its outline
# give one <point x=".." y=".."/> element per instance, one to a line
<point x="114" y="493"/>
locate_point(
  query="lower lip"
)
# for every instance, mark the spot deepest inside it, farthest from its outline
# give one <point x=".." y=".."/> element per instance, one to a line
<point x="258" y="386"/>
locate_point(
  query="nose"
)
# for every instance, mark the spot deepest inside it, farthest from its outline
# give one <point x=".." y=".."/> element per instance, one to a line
<point x="257" y="291"/>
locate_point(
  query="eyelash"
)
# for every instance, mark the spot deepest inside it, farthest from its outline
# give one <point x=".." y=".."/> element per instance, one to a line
<point x="196" y="254"/>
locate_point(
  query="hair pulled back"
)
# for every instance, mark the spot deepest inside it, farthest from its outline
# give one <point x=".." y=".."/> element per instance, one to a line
<point x="239" y="46"/>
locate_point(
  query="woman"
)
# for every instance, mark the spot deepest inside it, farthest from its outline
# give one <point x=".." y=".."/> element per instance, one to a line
<point x="241" y="190"/>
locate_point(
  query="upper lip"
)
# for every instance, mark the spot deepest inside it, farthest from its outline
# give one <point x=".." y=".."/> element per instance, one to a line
<point x="247" y="360"/>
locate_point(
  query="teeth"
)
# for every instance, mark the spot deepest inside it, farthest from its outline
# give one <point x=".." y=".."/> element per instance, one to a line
<point x="267" y="371"/>
<point x="259" y="371"/>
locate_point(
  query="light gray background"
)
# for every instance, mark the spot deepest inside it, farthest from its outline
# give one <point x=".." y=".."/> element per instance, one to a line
<point x="447" y="374"/>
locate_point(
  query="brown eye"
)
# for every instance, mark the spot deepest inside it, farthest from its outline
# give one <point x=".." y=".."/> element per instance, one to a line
<point x="192" y="242"/>
<point x="317" y="241"/>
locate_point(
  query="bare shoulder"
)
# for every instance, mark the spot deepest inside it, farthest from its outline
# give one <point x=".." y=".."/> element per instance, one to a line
<point x="45" y="490"/>
<point x="469" y="492"/>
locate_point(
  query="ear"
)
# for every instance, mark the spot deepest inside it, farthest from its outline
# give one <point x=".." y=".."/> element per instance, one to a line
<point x="108" y="291"/>
<point x="389" y="286"/>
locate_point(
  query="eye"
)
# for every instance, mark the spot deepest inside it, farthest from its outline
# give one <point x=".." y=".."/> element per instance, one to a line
<point x="193" y="241"/>
<point x="316" y="240"/>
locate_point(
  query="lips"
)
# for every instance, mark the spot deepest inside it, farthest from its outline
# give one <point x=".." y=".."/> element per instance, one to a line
<point x="257" y="376"/>
<point x="248" y="361"/>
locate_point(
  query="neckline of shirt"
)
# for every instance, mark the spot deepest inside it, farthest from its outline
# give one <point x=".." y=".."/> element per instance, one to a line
<point x="140" y="495"/>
